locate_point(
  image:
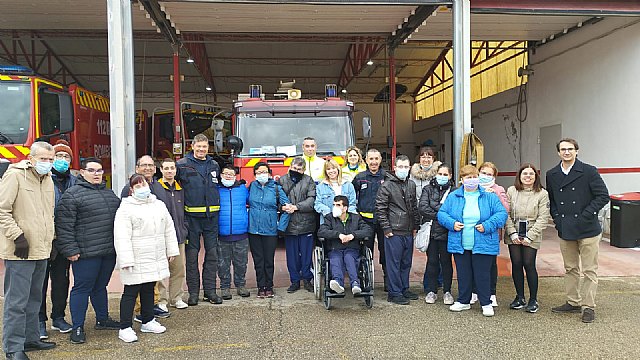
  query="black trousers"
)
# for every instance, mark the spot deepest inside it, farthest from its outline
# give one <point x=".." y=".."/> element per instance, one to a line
<point x="58" y="270"/>
<point x="439" y="258"/>
<point x="263" y="251"/>
<point x="128" y="301"/>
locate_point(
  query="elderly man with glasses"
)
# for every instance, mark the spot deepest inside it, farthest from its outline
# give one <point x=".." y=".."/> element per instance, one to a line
<point x="146" y="167"/>
<point x="84" y="235"/>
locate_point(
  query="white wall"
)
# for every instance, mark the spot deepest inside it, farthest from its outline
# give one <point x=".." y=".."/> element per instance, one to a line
<point x="589" y="82"/>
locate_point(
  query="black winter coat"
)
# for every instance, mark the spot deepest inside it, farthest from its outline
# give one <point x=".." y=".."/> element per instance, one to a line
<point x="575" y="200"/>
<point x="397" y="206"/>
<point x="84" y="220"/>
<point x="430" y="205"/>
<point x="301" y="194"/>
<point x="333" y="227"/>
<point x="173" y="198"/>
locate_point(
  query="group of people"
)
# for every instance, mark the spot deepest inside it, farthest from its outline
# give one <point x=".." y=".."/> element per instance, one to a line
<point x="51" y="221"/>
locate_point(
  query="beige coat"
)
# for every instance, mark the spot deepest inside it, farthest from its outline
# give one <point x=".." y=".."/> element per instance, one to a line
<point x="144" y="238"/>
<point x="531" y="206"/>
<point x="26" y="207"/>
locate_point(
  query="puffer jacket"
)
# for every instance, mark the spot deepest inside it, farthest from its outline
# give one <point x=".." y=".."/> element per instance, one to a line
<point x="26" y="207"/>
<point x="233" y="219"/>
<point x="301" y="194"/>
<point x="422" y="177"/>
<point x="144" y="238"/>
<point x="173" y="197"/>
<point x="332" y="227"/>
<point x="199" y="178"/>
<point x="430" y="204"/>
<point x="263" y="211"/>
<point x="84" y="220"/>
<point x="397" y="207"/>
<point x="493" y="216"/>
<point x="529" y="205"/>
<point x="325" y="194"/>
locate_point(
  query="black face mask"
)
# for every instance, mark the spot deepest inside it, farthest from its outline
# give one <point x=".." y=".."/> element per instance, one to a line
<point x="295" y="176"/>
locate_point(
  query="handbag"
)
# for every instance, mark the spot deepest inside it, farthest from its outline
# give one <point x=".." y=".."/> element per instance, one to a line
<point x="423" y="236"/>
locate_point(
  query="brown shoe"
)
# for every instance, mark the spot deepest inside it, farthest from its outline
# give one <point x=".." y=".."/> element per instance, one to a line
<point x="588" y="315"/>
<point x="566" y="308"/>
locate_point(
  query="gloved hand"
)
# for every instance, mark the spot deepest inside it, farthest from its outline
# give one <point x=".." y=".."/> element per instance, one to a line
<point x="22" y="247"/>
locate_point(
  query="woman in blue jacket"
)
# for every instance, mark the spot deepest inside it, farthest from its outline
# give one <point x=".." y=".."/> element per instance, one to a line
<point x="265" y="198"/>
<point x="473" y="218"/>
<point x="333" y="185"/>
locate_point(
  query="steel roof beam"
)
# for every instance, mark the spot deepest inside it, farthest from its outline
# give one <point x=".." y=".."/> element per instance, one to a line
<point x="414" y="21"/>
<point x="357" y="57"/>
<point x="159" y="17"/>
<point x="558" y="7"/>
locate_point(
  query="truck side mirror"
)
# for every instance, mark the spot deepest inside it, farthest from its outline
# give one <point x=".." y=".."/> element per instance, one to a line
<point x="235" y="143"/>
<point x="66" y="113"/>
<point x="366" y="127"/>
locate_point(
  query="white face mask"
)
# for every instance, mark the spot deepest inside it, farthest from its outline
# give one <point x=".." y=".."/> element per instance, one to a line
<point x="337" y="212"/>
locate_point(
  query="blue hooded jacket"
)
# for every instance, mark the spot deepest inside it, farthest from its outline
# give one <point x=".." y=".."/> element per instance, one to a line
<point x="233" y="218"/>
<point x="263" y="212"/>
<point x="493" y="216"/>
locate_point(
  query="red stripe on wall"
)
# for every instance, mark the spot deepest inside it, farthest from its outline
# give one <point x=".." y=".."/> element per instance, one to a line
<point x="600" y="170"/>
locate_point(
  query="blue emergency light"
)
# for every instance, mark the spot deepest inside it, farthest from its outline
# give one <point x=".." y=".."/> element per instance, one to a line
<point x="331" y="90"/>
<point x="16" y="70"/>
<point x="255" y="91"/>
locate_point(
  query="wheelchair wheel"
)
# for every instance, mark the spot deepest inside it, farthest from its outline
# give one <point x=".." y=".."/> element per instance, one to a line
<point x="368" y="301"/>
<point x="317" y="272"/>
<point x="371" y="270"/>
<point x="326" y="301"/>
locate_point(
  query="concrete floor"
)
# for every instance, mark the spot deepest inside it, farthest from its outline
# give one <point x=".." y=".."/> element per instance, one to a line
<point x="296" y="326"/>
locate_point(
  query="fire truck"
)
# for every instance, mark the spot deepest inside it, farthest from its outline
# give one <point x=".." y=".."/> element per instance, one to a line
<point x="34" y="108"/>
<point x="272" y="131"/>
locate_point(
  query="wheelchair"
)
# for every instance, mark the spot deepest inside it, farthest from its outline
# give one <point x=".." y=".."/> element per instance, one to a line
<point x="322" y="276"/>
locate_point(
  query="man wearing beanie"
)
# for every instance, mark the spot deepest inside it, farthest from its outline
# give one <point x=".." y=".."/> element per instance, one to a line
<point x="58" y="266"/>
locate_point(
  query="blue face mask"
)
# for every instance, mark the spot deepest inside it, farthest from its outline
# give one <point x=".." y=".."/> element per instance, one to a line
<point x="228" y="183"/>
<point x="142" y="193"/>
<point x="442" y="179"/>
<point x="262" y="178"/>
<point x="402" y="173"/>
<point x="61" y="165"/>
<point x="43" y="167"/>
<point x="486" y="181"/>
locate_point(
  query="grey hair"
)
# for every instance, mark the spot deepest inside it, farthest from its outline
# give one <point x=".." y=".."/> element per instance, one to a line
<point x="370" y="151"/>
<point x="142" y="157"/>
<point x="298" y="160"/>
<point x="200" y="138"/>
<point x="39" y="146"/>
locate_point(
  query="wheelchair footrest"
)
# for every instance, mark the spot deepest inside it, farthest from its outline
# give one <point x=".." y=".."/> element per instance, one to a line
<point x="331" y="294"/>
<point x="364" y="294"/>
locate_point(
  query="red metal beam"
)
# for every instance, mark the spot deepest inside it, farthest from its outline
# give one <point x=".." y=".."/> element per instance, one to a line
<point x="558" y="7"/>
<point x="356" y="58"/>
<point x="432" y="69"/>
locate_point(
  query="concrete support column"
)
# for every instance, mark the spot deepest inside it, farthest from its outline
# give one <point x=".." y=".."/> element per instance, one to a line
<point x="461" y="76"/>
<point x="121" y="92"/>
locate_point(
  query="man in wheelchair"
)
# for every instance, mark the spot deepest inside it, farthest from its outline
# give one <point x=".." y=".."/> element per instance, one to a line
<point x="342" y="233"/>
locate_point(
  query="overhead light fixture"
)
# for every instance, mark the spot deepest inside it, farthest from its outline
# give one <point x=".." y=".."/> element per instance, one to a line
<point x="190" y="60"/>
<point x="344" y="91"/>
<point x="370" y="62"/>
<point x="208" y="88"/>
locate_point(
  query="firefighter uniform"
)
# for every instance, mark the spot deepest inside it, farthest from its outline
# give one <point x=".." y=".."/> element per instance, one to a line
<point x="315" y="167"/>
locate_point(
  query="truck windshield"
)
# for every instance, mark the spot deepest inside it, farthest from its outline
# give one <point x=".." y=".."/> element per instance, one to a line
<point x="282" y="134"/>
<point x="15" y="101"/>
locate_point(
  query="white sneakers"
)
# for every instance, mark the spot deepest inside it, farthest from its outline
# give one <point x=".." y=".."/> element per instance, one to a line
<point x="487" y="310"/>
<point x="457" y="307"/>
<point x="355" y="289"/>
<point x="335" y="286"/>
<point x="128" y="335"/>
<point x="448" y="298"/>
<point x="431" y="298"/>
<point x="180" y="305"/>
<point x="494" y="301"/>
<point x="163" y="307"/>
<point x="153" y="327"/>
<point x="474" y="298"/>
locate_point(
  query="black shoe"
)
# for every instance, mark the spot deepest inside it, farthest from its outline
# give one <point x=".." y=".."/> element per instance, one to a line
<point x="400" y="300"/>
<point x="107" y="324"/>
<point x="386" y="284"/>
<point x="293" y="287"/>
<point x="532" y="306"/>
<point x="588" y="315"/>
<point x="226" y="294"/>
<point x="38" y="345"/>
<point x="212" y="297"/>
<point x="409" y="295"/>
<point x="160" y="313"/>
<point x="192" y="300"/>
<point x="308" y="285"/>
<point x="20" y="355"/>
<point x="566" y="308"/>
<point x="77" y="336"/>
<point x="517" y="303"/>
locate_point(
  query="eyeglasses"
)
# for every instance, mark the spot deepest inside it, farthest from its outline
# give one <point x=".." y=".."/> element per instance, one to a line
<point x="567" y="149"/>
<point x="147" y="165"/>
<point x="94" y="171"/>
<point x="402" y="167"/>
<point x="228" y="174"/>
<point x="63" y="156"/>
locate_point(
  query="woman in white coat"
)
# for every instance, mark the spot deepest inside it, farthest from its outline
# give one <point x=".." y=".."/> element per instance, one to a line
<point x="145" y="242"/>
